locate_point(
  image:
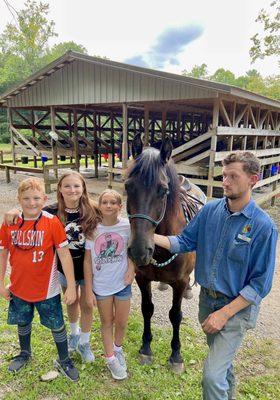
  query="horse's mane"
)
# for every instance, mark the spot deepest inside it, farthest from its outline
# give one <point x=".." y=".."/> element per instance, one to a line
<point x="148" y="167"/>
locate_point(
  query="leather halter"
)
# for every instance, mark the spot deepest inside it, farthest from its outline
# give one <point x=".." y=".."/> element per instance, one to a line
<point x="150" y="219"/>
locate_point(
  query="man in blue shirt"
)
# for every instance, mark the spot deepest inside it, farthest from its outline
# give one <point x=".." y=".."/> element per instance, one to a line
<point x="235" y="243"/>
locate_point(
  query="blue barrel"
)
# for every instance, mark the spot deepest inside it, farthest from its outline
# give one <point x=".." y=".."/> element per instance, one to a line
<point x="44" y="159"/>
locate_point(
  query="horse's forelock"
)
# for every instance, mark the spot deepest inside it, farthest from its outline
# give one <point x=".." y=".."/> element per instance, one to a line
<point x="149" y="168"/>
<point x="147" y="165"/>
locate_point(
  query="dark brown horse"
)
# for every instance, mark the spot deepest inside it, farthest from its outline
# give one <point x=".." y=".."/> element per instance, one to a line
<point x="154" y="205"/>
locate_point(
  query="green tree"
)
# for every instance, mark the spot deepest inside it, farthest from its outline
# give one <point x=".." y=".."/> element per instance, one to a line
<point x="224" y="76"/>
<point x="61" y="48"/>
<point x="252" y="80"/>
<point x="24" y="46"/>
<point x="28" y="37"/>
<point x="198" y="71"/>
<point x="268" y="43"/>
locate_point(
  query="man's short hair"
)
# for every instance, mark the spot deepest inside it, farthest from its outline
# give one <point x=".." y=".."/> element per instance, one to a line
<point x="31" y="183"/>
<point x="251" y="164"/>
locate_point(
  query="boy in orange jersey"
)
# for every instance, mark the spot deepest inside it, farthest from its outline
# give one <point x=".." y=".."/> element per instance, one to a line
<point x="32" y="244"/>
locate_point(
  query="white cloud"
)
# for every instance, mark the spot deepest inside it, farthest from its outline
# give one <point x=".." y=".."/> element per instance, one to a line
<point x="125" y="29"/>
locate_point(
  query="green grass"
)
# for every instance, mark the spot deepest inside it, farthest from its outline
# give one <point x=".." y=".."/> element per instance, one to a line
<point x="5" y="147"/>
<point x="145" y="382"/>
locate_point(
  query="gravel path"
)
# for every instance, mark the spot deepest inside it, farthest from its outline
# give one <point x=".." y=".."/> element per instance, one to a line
<point x="268" y="325"/>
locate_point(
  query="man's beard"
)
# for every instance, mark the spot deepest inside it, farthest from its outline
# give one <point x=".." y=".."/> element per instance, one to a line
<point x="232" y="196"/>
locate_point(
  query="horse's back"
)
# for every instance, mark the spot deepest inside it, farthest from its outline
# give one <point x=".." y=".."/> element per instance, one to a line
<point x="193" y="190"/>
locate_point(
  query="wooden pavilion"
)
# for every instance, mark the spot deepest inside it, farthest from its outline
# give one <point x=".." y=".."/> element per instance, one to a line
<point x="83" y="106"/>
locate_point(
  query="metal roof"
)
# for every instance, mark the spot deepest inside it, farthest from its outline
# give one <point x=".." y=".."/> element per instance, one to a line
<point x="76" y="78"/>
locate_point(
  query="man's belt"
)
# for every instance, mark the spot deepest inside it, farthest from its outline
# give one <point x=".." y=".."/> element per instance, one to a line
<point x="213" y="293"/>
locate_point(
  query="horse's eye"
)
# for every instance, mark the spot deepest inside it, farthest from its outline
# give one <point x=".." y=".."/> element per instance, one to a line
<point x="163" y="191"/>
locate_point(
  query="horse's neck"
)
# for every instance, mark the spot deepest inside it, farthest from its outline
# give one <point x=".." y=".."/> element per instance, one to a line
<point x="172" y="223"/>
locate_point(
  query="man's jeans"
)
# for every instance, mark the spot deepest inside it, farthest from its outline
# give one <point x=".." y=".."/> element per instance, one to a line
<point x="218" y="382"/>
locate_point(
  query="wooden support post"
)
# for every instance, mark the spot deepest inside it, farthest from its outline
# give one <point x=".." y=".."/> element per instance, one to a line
<point x="125" y="133"/>
<point x="85" y="133"/>
<point x="179" y="131"/>
<point x="258" y="116"/>
<point x="99" y="133"/>
<point x="274" y="187"/>
<point x="112" y="139"/>
<point x="34" y="136"/>
<point x="95" y="151"/>
<point x="54" y="144"/>
<point x="153" y="133"/>
<point x="70" y="130"/>
<point x="246" y="117"/>
<point x="76" y="143"/>
<point x="10" y="121"/>
<point x="230" y="143"/>
<point x="110" y="170"/>
<point x="233" y="112"/>
<point x="244" y="143"/>
<point x="8" y="178"/>
<point x="255" y="145"/>
<point x="46" y="180"/>
<point x="146" y="126"/>
<point x="213" y="146"/>
<point x="163" y="124"/>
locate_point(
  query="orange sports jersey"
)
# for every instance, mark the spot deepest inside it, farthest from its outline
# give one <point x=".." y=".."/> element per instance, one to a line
<point x="33" y="259"/>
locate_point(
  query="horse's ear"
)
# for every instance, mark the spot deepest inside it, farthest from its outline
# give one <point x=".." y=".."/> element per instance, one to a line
<point x="166" y="150"/>
<point x="137" y="146"/>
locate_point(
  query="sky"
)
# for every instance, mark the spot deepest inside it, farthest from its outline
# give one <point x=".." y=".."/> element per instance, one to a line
<point x="171" y="35"/>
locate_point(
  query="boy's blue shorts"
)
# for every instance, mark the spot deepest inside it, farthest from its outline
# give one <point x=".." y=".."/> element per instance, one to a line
<point x="21" y="312"/>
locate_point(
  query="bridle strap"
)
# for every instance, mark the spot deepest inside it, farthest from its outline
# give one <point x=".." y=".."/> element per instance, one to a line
<point x="148" y="218"/>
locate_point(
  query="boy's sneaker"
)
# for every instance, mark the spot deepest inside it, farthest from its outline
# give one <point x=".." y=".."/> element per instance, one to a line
<point x="121" y="358"/>
<point x="73" y="341"/>
<point x="118" y="372"/>
<point x="68" y="369"/>
<point x="19" y="362"/>
<point x="85" y="351"/>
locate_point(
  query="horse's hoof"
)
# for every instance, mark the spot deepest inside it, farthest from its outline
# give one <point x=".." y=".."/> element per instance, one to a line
<point x="145" y="359"/>
<point x="162" y="286"/>
<point x="177" y="368"/>
<point x="188" y="294"/>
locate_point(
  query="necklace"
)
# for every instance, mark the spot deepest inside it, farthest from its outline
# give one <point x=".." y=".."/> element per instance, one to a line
<point x="72" y="210"/>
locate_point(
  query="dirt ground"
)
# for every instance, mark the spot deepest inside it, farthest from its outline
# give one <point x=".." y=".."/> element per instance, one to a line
<point x="268" y="325"/>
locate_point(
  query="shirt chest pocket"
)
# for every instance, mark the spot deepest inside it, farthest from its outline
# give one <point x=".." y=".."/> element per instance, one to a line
<point x="239" y="251"/>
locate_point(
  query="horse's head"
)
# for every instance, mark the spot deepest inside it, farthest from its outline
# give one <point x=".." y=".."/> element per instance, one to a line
<point x="147" y="187"/>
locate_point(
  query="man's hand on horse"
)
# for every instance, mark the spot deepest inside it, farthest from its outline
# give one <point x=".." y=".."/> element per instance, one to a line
<point x="215" y="321"/>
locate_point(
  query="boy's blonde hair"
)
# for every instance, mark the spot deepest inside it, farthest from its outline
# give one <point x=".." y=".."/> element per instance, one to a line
<point x="31" y="183"/>
<point x="114" y="193"/>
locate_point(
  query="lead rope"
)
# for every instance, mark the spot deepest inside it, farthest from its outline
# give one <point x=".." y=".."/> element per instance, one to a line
<point x="163" y="264"/>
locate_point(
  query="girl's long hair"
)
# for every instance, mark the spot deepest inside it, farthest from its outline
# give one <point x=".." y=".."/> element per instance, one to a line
<point x="90" y="215"/>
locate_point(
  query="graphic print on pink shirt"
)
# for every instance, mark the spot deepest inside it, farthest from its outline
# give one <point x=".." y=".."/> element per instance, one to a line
<point x="108" y="248"/>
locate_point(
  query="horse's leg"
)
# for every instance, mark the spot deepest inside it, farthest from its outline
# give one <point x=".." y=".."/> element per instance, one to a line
<point x="188" y="294"/>
<point x="175" y="316"/>
<point x="145" y="353"/>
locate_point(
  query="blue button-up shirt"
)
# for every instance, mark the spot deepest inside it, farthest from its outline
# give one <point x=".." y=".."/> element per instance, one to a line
<point x="235" y="252"/>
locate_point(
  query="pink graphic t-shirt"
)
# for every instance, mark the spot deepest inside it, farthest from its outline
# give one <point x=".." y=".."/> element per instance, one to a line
<point x="109" y="257"/>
